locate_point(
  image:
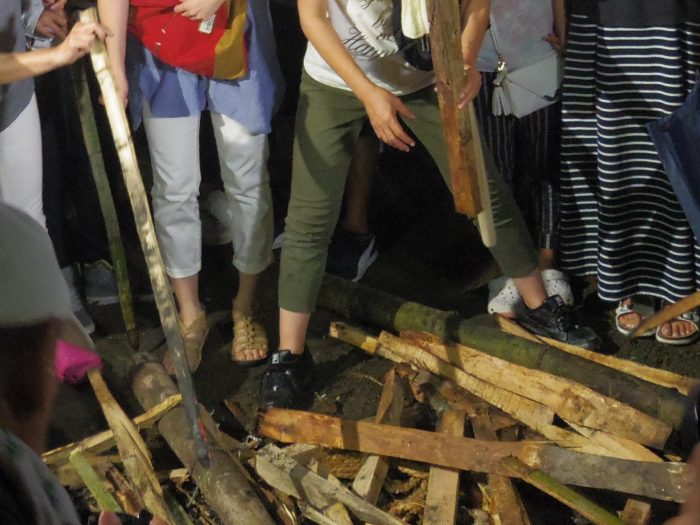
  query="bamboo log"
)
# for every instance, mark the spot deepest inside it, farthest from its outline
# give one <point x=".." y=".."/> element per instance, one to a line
<point x="223" y="484"/>
<point x="283" y="473"/>
<point x="365" y="304"/>
<point x="135" y="455"/>
<point x="647" y="373"/>
<point x="104" y="195"/>
<point x="94" y="483"/>
<point x="665" y="481"/>
<point x="504" y="500"/>
<point x="560" y="492"/>
<point x="443" y="484"/>
<point x="532" y="414"/>
<point x="146" y="232"/>
<point x="570" y="400"/>
<point x="105" y="440"/>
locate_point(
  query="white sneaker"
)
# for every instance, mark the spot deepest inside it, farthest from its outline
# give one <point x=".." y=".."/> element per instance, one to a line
<point x="503" y="295"/>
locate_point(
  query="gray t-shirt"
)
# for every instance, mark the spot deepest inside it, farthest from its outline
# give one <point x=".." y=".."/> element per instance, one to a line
<point x="13" y="97"/>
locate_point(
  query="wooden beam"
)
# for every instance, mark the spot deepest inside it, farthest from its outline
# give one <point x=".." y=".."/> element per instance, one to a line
<point x="504" y="499"/>
<point x="283" y="473"/>
<point x="570" y="400"/>
<point x="443" y="484"/>
<point x="657" y="376"/>
<point x="666" y="481"/>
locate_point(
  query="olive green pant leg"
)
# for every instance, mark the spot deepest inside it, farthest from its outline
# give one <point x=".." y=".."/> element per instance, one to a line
<point x="328" y="123"/>
<point x="514" y="251"/>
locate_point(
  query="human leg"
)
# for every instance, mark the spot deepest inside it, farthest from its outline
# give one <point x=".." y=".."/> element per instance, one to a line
<point x="243" y="161"/>
<point x="174" y="148"/>
<point x="20" y="164"/>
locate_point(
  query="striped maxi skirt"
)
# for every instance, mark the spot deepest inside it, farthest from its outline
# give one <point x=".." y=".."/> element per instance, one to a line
<point x="620" y="219"/>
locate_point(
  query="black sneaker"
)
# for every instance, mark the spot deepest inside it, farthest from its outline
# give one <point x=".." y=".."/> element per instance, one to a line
<point x="288" y="380"/>
<point x="554" y="319"/>
<point x="351" y="254"/>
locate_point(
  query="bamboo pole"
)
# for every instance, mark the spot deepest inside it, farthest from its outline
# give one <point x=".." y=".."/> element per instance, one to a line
<point x="664" y="481"/>
<point x="560" y="492"/>
<point x="364" y="304"/>
<point x="146" y="232"/>
<point x="104" y="194"/>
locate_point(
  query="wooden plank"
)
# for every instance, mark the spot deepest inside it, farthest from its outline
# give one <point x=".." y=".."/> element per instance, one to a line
<point x="636" y="512"/>
<point x="570" y="400"/>
<point x="368" y="482"/>
<point x="338" y="514"/>
<point x="619" y="446"/>
<point x="562" y="493"/>
<point x="657" y="376"/>
<point x="445" y="32"/>
<point x="103" y="441"/>
<point x="532" y="414"/>
<point x="443" y="484"/>
<point x="666" y="481"/>
<point x="504" y="499"/>
<point x="287" y="475"/>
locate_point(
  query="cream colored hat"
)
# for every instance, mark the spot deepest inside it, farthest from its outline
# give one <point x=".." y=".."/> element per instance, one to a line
<point x="32" y="288"/>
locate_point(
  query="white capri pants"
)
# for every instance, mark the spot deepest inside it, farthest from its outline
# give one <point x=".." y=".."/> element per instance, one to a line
<point x="174" y="149"/>
<point x="20" y="164"/>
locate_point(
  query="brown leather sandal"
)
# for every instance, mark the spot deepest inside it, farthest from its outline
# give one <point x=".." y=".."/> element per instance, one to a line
<point x="193" y="336"/>
<point x="248" y="336"/>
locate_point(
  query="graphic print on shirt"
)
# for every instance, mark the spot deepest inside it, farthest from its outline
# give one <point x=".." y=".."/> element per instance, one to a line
<point x="369" y="33"/>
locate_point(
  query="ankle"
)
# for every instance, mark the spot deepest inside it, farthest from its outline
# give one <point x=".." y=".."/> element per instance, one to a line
<point x="189" y="314"/>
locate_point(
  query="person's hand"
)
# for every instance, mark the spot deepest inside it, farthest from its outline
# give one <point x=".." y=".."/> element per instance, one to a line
<point x="198" y="9"/>
<point x="690" y="512"/>
<point x="110" y="518"/>
<point x="79" y="41"/>
<point x="52" y="24"/>
<point x="558" y="42"/>
<point x="382" y="108"/>
<point x="472" y="86"/>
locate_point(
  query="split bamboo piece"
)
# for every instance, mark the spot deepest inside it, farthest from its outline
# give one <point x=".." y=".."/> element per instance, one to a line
<point x="570" y="400"/>
<point x="105" y="440"/>
<point x="91" y="139"/>
<point x="636" y="512"/>
<point x="94" y="483"/>
<point x="532" y="414"/>
<point x="504" y="500"/>
<point x="135" y="455"/>
<point x="653" y="375"/>
<point x="443" y="484"/>
<point x="364" y="304"/>
<point x="560" y="492"/>
<point x="283" y="473"/>
<point x="665" y="481"/>
<point x="369" y="481"/>
<point x="146" y="232"/>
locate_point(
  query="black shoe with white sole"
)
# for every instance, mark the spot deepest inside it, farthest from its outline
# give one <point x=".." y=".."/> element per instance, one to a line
<point x="288" y="380"/>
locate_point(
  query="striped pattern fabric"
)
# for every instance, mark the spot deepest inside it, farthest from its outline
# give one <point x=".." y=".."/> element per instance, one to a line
<point x="620" y="219"/>
<point x="526" y="154"/>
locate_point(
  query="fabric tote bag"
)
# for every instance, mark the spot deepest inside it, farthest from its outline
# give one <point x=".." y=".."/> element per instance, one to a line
<point x="214" y="48"/>
<point x="677" y="140"/>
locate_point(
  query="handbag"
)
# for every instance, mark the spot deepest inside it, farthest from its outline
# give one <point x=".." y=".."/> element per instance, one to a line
<point x="214" y="48"/>
<point x="527" y="88"/>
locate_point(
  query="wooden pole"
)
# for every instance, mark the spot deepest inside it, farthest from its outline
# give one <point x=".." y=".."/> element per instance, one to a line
<point x="664" y="481"/>
<point x="104" y="195"/>
<point x="364" y="304"/>
<point x="147" y="235"/>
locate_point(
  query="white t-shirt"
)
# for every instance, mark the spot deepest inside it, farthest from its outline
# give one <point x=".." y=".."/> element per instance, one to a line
<point x="365" y="28"/>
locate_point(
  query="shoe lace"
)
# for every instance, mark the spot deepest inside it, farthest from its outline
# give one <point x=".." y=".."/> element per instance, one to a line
<point x="564" y="318"/>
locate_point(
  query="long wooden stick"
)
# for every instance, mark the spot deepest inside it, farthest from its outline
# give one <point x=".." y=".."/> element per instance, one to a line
<point x="104" y="194"/>
<point x="147" y="235"/>
<point x="665" y="481"/>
